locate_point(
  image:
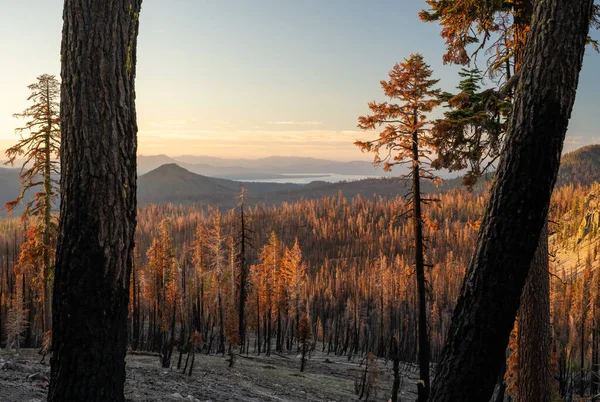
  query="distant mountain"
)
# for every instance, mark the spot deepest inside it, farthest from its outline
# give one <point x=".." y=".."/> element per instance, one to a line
<point x="580" y="167"/>
<point x="148" y="163"/>
<point x="275" y="167"/>
<point x="171" y="180"/>
<point x="172" y="183"/>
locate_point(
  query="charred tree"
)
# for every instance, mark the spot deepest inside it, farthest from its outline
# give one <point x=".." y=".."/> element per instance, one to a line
<point x="518" y="205"/>
<point x="242" y="262"/>
<point x="98" y="200"/>
<point x="407" y="136"/>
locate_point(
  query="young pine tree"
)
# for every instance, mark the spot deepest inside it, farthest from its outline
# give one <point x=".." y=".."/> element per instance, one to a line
<point x="471" y="132"/>
<point x="406" y="136"/>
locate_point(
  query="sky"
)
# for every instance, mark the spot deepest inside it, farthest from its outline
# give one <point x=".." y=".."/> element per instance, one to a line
<point x="254" y="78"/>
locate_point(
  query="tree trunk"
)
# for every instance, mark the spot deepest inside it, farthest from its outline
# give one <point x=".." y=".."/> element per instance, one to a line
<point x="258" y="322"/>
<point x="221" y="324"/>
<point x="278" y="344"/>
<point x="395" y="368"/>
<point x="518" y="205"/>
<point x="423" y="385"/>
<point x="243" y="278"/>
<point x="303" y="357"/>
<point x="534" y="339"/>
<point x="98" y="200"/>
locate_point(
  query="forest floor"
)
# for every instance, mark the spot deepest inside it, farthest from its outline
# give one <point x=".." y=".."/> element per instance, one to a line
<point x="253" y="378"/>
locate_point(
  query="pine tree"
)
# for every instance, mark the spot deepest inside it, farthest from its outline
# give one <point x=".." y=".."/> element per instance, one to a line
<point x="293" y="276"/>
<point x="407" y="136"/>
<point x="243" y="239"/>
<point x="161" y="265"/>
<point x="267" y="285"/>
<point x="232" y="334"/>
<point x="470" y="135"/>
<point x="200" y="262"/>
<point x="303" y="337"/>
<point x="39" y="147"/>
<point x="217" y="251"/>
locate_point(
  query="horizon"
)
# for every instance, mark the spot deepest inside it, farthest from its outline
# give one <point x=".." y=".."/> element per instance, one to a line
<point x="239" y="80"/>
<point x="17" y="162"/>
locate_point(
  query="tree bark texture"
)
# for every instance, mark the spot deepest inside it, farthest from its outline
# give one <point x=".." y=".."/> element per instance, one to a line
<point x="98" y="200"/>
<point x="534" y="339"/>
<point x="518" y="206"/>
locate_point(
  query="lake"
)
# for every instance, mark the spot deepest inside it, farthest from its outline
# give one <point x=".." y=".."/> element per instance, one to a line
<point x="301" y="178"/>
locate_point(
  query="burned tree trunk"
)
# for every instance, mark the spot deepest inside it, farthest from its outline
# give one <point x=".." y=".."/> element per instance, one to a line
<point x="518" y="205"/>
<point x="534" y="367"/>
<point x="423" y="385"/>
<point x="98" y="200"/>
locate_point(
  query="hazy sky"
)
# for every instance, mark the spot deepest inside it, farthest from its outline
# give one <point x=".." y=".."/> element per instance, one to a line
<point x="253" y="78"/>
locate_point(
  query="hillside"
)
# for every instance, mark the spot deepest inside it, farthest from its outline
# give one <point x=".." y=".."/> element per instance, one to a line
<point x="580" y="167"/>
<point x="172" y="183"/>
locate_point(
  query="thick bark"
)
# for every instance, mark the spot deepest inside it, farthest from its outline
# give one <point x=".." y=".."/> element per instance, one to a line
<point x="534" y="339"/>
<point x="98" y="200"/>
<point x="518" y="205"/>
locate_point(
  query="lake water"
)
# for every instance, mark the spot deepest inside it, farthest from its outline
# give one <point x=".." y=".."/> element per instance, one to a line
<point x="299" y="178"/>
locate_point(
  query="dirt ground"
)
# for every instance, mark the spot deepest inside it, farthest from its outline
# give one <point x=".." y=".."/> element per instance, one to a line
<point x="253" y="378"/>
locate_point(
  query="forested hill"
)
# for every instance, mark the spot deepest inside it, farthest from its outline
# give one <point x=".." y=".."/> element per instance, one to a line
<point x="580" y="167"/>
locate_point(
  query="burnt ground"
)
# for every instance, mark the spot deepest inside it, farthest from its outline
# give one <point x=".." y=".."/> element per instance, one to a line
<point x="253" y="378"/>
